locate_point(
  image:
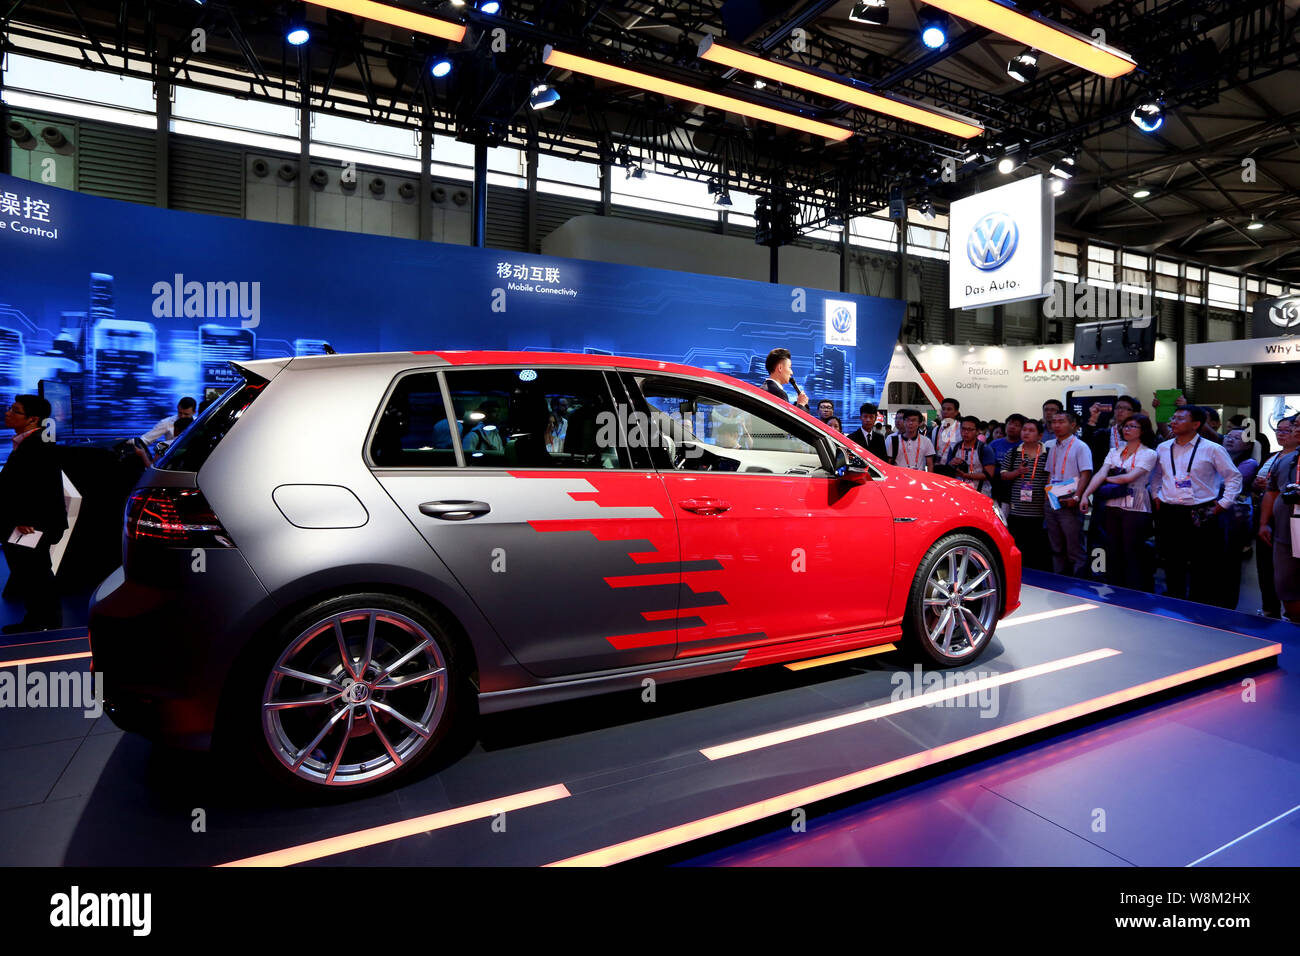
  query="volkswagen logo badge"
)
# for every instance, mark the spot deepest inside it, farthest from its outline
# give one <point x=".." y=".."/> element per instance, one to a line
<point x="992" y="241"/>
<point x="841" y="320"/>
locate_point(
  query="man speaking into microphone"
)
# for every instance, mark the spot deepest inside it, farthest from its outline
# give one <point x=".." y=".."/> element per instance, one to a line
<point x="780" y="373"/>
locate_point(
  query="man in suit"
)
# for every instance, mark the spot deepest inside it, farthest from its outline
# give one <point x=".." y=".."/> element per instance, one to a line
<point x="31" y="500"/>
<point x="780" y="374"/>
<point x="867" y="436"/>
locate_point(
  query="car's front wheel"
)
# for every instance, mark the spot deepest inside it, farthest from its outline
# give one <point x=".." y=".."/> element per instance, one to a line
<point x="953" y="606"/>
<point x="351" y="694"/>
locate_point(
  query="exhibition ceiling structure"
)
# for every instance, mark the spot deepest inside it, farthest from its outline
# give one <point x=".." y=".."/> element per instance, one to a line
<point x="1164" y="120"/>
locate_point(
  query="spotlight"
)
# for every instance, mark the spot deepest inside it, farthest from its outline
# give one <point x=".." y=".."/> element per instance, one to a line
<point x="760" y="84"/>
<point x="636" y="172"/>
<point x="543" y="96"/>
<point x="1149" y="115"/>
<point x="1254" y="224"/>
<point x="1023" y="66"/>
<point x="296" y="32"/>
<point x="1057" y="186"/>
<point x="440" y="67"/>
<point x="872" y="12"/>
<point x="723" y="198"/>
<point x="491" y="7"/>
<point x="1063" y="168"/>
<point x="934" y="27"/>
<point x="1141" y="193"/>
<point x="926" y="209"/>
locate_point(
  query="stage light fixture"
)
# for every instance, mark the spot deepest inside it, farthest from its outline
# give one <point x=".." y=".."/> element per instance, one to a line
<point x="1023" y="67"/>
<point x="542" y="96"/>
<point x="1063" y="168"/>
<point x="724" y="197"/>
<point x="912" y="112"/>
<point x="933" y="23"/>
<point x="1141" y="193"/>
<point x="1149" y="115"/>
<point x="1040" y="33"/>
<point x="926" y="209"/>
<point x="440" y="67"/>
<point x="560" y="60"/>
<point x="397" y="17"/>
<point x="297" y="34"/>
<point x="871" y="12"/>
<point x="491" y="7"/>
<point x="1057" y="186"/>
<point x="1011" y="160"/>
<point x="1254" y="224"/>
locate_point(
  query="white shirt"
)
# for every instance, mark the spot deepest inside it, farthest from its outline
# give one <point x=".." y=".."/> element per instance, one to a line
<point x="1211" y="469"/>
<point x="946" y="434"/>
<point x="1139" y="492"/>
<point x="1067" y="460"/>
<point x="163" y="429"/>
<point x="914" y="454"/>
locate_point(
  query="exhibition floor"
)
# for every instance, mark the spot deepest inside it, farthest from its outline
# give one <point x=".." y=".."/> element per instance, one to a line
<point x="615" y="778"/>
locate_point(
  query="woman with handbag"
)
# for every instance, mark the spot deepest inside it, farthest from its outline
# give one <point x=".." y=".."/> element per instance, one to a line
<point x="1121" y="484"/>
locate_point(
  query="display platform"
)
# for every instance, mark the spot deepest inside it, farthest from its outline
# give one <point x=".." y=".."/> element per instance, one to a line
<point x="608" y="779"/>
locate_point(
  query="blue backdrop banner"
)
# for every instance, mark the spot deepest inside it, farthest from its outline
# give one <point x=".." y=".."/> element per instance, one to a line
<point x="126" y="308"/>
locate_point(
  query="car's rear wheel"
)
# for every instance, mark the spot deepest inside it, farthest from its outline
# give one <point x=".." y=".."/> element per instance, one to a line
<point x="953" y="606"/>
<point x="352" y="694"/>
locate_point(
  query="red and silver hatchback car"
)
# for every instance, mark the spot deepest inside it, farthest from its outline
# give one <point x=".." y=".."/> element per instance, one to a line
<point x="345" y="553"/>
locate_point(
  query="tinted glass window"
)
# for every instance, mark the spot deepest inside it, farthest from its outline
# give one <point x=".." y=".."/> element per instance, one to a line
<point x="694" y="429"/>
<point x="413" y="429"/>
<point x="193" y="446"/>
<point x="536" y="418"/>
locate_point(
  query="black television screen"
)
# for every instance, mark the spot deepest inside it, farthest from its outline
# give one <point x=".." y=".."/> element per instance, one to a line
<point x="1115" y="342"/>
<point x="59" y="395"/>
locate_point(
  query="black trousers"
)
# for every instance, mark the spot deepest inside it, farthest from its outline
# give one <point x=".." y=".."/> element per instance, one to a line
<point x="1126" y="538"/>
<point x="1272" y="604"/>
<point x="1031" y="538"/>
<point x="31" y="580"/>
<point x="1194" y="558"/>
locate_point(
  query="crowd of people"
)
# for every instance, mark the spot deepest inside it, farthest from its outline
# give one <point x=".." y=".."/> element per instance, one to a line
<point x="1115" y="496"/>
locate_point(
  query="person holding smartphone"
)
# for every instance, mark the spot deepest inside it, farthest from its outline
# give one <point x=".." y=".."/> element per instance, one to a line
<point x="1125" y="507"/>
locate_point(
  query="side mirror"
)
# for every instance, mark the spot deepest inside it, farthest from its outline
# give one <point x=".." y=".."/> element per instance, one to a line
<point x="854" y="470"/>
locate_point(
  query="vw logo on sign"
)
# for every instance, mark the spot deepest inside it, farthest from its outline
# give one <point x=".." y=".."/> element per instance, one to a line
<point x="992" y="241"/>
<point x="1285" y="313"/>
<point x="841" y="320"/>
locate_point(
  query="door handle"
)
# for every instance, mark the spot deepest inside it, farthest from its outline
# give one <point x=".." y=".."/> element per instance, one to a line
<point x="455" y="510"/>
<point x="705" y="506"/>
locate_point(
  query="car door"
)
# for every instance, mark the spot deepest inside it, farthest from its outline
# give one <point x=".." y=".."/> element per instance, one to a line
<point x="518" y="479"/>
<point x="774" y="548"/>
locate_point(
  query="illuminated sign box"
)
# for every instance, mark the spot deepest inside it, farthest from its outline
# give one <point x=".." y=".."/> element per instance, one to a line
<point x="1001" y="245"/>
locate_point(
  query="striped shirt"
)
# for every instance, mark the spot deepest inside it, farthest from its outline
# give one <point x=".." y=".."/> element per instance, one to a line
<point x="1036" y="480"/>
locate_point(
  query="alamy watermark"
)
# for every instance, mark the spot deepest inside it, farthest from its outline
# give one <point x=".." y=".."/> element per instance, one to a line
<point x="947" y="689"/>
<point x="77" y="690"/>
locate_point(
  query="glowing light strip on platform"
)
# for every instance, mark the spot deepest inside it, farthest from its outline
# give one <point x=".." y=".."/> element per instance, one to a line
<point x="783" y="803"/>
<point x="917" y="700"/>
<point x="46" y="660"/>
<point x="403" y="828"/>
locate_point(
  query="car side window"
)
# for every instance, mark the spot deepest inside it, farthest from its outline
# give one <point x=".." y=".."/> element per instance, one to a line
<point x="536" y="418"/>
<point x="413" y="430"/>
<point x="701" y="429"/>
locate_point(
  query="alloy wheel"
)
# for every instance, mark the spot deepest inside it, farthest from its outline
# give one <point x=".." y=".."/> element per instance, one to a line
<point x="354" y="697"/>
<point x="960" y="602"/>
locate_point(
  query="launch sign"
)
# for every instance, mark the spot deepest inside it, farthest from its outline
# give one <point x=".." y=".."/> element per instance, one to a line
<point x="1001" y="245"/>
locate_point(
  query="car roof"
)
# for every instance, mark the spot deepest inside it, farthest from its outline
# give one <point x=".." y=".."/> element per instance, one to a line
<point x="449" y="357"/>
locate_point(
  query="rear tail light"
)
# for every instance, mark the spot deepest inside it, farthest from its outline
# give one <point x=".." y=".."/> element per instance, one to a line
<point x="174" y="518"/>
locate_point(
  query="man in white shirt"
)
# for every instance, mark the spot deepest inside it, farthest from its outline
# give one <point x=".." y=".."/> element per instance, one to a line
<point x="166" y="427"/>
<point x="1069" y="469"/>
<point x="912" y="449"/>
<point x="1195" y="483"/>
<point x="946" y="433"/>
